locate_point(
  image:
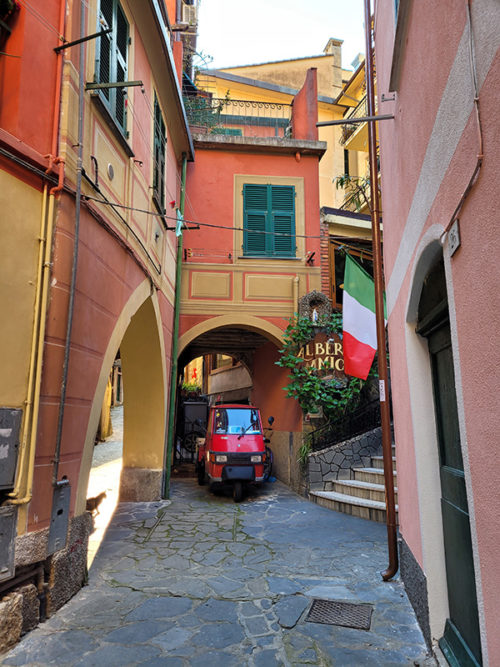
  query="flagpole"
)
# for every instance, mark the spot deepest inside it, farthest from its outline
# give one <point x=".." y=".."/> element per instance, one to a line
<point x="379" y="309"/>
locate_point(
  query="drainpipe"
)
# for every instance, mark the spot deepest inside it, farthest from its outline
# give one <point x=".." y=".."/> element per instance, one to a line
<point x="175" y="346"/>
<point x="295" y="293"/>
<point x="71" y="306"/>
<point x="379" y="310"/>
<point x="29" y="423"/>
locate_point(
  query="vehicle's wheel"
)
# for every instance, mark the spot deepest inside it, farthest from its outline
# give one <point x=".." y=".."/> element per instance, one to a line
<point x="268" y="464"/>
<point x="201" y="473"/>
<point x="189" y="442"/>
<point x="237" y="491"/>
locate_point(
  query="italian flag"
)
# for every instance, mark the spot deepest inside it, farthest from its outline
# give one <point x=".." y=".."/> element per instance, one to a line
<point x="358" y="320"/>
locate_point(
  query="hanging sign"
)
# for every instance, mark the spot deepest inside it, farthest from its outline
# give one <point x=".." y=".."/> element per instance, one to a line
<point x="324" y="353"/>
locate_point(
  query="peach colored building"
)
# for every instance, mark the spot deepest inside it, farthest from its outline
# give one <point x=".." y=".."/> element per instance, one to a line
<point x="257" y="251"/>
<point x="86" y="164"/>
<point x="440" y="62"/>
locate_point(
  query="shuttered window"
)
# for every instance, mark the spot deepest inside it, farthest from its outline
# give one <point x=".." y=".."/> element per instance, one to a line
<point x="160" y="141"/>
<point x="111" y="64"/>
<point x="269" y="220"/>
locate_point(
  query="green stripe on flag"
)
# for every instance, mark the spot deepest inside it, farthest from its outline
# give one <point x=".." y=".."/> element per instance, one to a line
<point x="359" y="284"/>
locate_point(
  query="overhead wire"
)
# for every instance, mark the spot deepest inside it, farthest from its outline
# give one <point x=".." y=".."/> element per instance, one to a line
<point x="41" y="18"/>
<point x="201" y="224"/>
<point x="147" y="142"/>
<point x="46" y="23"/>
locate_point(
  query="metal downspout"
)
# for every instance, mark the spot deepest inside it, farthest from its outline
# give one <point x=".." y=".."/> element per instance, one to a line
<point x="175" y="346"/>
<point x="81" y="84"/>
<point x="379" y="310"/>
<point x="27" y="423"/>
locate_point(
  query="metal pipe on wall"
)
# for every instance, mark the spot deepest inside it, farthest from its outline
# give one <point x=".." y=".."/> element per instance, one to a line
<point x="64" y="381"/>
<point x="379" y="308"/>
<point x="175" y="346"/>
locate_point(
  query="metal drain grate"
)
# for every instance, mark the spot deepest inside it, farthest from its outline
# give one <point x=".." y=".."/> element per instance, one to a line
<point x="347" y="614"/>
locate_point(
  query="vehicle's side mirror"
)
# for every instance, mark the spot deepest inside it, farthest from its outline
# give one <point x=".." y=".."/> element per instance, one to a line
<point x="270" y="421"/>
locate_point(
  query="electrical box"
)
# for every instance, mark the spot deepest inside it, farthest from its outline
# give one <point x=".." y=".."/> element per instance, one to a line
<point x="8" y="522"/>
<point x="10" y="426"/>
<point x="58" y="531"/>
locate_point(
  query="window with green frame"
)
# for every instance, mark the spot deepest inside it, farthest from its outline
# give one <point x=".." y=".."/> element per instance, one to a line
<point x="269" y="220"/>
<point x="160" y="142"/>
<point x="111" y="59"/>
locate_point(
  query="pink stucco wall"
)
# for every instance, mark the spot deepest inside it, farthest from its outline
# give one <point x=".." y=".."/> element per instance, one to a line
<point x="419" y="125"/>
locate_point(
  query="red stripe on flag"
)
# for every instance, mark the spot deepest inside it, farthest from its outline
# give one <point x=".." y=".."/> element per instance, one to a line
<point x="358" y="357"/>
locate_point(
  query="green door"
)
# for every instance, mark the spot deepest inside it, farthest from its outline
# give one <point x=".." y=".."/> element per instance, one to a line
<point x="461" y="640"/>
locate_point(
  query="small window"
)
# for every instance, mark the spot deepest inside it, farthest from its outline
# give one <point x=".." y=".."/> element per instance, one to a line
<point x="361" y="251"/>
<point x="160" y="142"/>
<point x="111" y="62"/>
<point x="269" y="220"/>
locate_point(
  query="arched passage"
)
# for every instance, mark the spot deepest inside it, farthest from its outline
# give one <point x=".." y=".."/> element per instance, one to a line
<point x="138" y="335"/>
<point x="255" y="344"/>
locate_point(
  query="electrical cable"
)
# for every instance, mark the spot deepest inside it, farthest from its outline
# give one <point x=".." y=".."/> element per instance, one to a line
<point x="197" y="223"/>
<point x="39" y="17"/>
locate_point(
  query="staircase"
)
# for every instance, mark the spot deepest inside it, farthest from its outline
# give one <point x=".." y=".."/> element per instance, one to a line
<point x="362" y="495"/>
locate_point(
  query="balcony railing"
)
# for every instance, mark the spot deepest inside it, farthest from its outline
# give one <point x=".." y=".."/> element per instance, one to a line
<point x="241" y="118"/>
<point x="358" y="112"/>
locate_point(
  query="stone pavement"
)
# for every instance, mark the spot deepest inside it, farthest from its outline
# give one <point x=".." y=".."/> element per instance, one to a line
<point x="200" y="580"/>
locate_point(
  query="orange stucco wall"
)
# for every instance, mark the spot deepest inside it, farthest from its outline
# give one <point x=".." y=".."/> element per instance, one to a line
<point x="269" y="396"/>
<point x="20" y="80"/>
<point x="210" y="195"/>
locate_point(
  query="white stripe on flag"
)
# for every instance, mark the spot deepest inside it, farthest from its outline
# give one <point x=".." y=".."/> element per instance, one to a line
<point x="359" y="321"/>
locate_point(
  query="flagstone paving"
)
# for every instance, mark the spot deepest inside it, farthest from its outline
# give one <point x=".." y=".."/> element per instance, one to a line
<point x="200" y="580"/>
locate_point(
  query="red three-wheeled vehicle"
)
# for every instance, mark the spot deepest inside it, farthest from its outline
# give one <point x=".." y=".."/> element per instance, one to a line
<point x="234" y="451"/>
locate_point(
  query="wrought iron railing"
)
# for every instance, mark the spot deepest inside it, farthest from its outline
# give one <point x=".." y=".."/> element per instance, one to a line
<point x="350" y="425"/>
<point x="360" y="111"/>
<point x="211" y="115"/>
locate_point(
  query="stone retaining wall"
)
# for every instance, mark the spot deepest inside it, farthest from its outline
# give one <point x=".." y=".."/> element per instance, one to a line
<point x="336" y="462"/>
<point x="65" y="572"/>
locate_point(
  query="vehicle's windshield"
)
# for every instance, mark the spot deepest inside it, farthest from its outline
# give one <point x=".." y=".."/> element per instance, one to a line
<point x="236" y="421"/>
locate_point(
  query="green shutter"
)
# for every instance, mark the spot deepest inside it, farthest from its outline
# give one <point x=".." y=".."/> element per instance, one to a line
<point x="269" y="208"/>
<point x="254" y="219"/>
<point x="111" y="64"/>
<point x="159" y="156"/>
<point x="283" y="219"/>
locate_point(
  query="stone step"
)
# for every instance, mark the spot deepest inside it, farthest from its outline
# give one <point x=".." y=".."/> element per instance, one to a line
<point x="372" y="475"/>
<point x="378" y="462"/>
<point x="367" y="490"/>
<point x="372" y="510"/>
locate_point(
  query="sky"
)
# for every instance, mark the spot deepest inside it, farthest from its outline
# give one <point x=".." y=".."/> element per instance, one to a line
<point x="238" y="32"/>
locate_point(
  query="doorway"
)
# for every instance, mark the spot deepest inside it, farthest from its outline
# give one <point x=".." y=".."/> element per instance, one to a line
<point x="461" y="639"/>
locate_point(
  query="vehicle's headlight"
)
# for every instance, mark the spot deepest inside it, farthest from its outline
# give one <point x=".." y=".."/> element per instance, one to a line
<point x="220" y="458"/>
<point x="256" y="458"/>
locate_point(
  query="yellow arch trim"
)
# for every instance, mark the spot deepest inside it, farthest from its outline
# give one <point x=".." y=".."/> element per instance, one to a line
<point x="136" y="300"/>
<point x="268" y="330"/>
